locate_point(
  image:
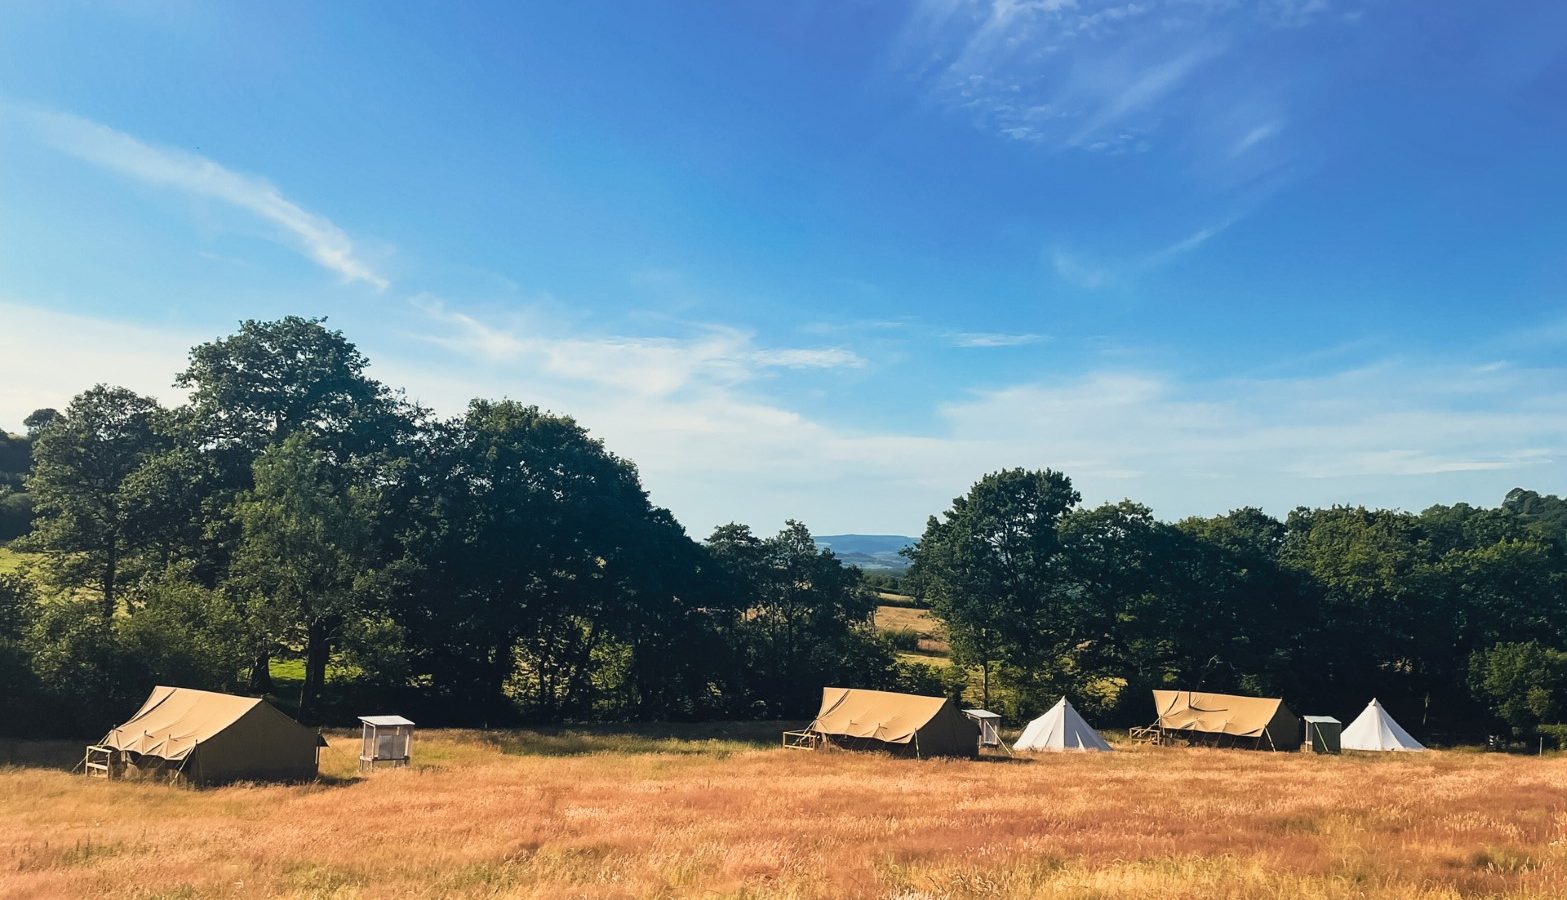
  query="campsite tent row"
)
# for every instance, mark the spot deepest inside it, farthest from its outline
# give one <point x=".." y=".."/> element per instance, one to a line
<point x="1266" y="723"/>
<point x="935" y="726"/>
<point x="209" y="738"/>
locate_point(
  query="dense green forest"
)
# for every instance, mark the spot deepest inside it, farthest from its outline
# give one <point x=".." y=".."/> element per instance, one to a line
<point x="504" y="566"/>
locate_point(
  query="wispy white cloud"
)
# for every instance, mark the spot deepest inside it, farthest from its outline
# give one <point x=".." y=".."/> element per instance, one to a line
<point x="1395" y="432"/>
<point x="1099" y="75"/>
<point x="653" y="366"/>
<point x="1185" y="245"/>
<point x="1077" y="270"/>
<point x="1255" y="136"/>
<point x="716" y="440"/>
<point x="1282" y="441"/>
<point x="985" y="339"/>
<point x="48" y="357"/>
<point x="1116" y="94"/>
<point x="1074" y="269"/>
<point x="314" y="235"/>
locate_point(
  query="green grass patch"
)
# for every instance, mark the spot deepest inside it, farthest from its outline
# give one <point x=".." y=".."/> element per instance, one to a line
<point x="13" y="560"/>
<point x="925" y="659"/>
<point x="904" y="601"/>
<point x="718" y="739"/>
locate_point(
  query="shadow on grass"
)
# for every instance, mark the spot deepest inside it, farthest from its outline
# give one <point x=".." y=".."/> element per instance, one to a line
<point x="1003" y="759"/>
<point x="680" y="738"/>
<point x="41" y="754"/>
<point x="65" y="756"/>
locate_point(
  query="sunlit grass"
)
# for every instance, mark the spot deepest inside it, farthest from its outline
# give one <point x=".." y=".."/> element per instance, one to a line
<point x="715" y="810"/>
<point x="933" y="648"/>
<point x="12" y="560"/>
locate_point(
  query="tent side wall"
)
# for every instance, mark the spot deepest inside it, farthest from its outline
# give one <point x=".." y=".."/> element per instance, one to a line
<point x="263" y="745"/>
<point x="1285" y="729"/>
<point x="948" y="733"/>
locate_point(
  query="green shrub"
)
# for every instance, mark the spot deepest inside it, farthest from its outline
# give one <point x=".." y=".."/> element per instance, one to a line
<point x="186" y="634"/>
<point x="1555" y="734"/>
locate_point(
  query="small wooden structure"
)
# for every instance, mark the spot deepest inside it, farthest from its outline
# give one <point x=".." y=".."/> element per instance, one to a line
<point x="989" y="726"/>
<point x="101" y="762"/>
<point x="1147" y="734"/>
<point x="1322" y="734"/>
<point x="804" y="739"/>
<point x="386" y="742"/>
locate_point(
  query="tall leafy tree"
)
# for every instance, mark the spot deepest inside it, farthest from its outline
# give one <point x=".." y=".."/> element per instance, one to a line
<point x="806" y="617"/>
<point x="98" y="506"/>
<point x="1368" y="569"/>
<point x="1546" y="513"/>
<point x="16" y="507"/>
<point x="254" y="389"/>
<point x="1247" y="614"/>
<point x="530" y="542"/>
<point x="991" y="568"/>
<point x="1524" y="684"/>
<point x="304" y="552"/>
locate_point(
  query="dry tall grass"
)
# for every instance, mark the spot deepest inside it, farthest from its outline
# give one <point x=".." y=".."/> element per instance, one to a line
<point x="933" y="647"/>
<point x="585" y="814"/>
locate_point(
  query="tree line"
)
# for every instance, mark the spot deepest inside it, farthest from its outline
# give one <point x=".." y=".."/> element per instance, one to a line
<point x="293" y="516"/>
<point x="1456" y="617"/>
<point x="495" y="567"/>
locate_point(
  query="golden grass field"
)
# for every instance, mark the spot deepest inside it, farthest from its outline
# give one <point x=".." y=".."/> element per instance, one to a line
<point x="592" y="813"/>
<point x="10" y="560"/>
<point x="933" y="648"/>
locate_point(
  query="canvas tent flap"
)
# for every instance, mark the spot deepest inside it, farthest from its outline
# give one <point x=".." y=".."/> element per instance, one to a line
<point x="928" y="725"/>
<point x="882" y="715"/>
<point x="1264" y="718"/>
<point x="174" y="720"/>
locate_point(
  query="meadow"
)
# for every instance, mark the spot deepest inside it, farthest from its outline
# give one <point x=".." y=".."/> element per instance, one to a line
<point x="720" y="811"/>
<point x="11" y="560"/>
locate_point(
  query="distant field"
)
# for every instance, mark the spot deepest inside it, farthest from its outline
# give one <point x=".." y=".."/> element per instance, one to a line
<point x="933" y="649"/>
<point x="715" y="811"/>
<point x="10" y="560"/>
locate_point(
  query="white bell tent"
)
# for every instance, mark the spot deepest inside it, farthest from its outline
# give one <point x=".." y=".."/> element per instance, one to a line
<point x="1374" y="729"/>
<point x="1060" y="729"/>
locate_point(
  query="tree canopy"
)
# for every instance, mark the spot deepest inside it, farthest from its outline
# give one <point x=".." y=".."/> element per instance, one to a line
<point x="505" y="565"/>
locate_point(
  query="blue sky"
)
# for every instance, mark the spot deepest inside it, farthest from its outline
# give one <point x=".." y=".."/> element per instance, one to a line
<point x="835" y="261"/>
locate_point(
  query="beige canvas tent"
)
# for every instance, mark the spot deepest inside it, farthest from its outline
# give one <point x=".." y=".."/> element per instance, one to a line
<point x="207" y="738"/>
<point x="1227" y="720"/>
<point x="902" y="723"/>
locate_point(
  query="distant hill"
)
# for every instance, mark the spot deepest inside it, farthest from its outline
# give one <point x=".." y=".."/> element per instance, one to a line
<point x="868" y="551"/>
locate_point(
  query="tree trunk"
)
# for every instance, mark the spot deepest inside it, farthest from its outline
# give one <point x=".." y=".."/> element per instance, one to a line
<point x="984" y="680"/>
<point x="261" y="673"/>
<point x="577" y="679"/>
<point x="502" y="664"/>
<point x="111" y="567"/>
<point x="318" y="650"/>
